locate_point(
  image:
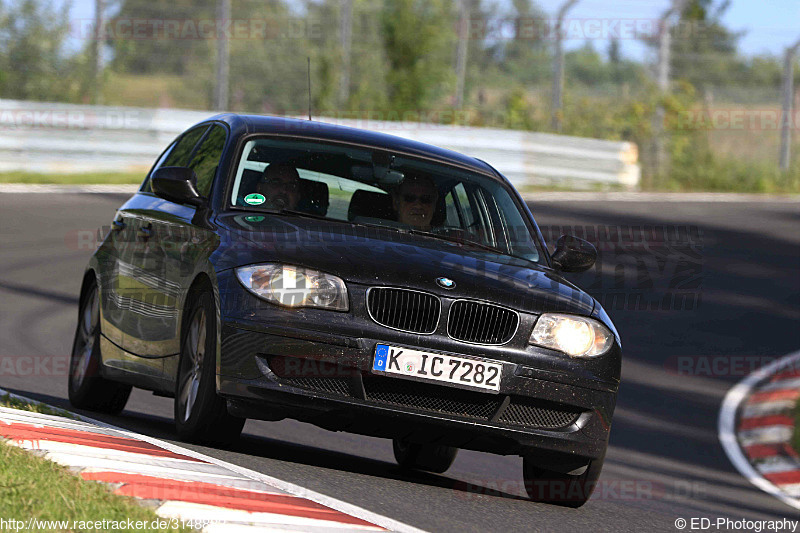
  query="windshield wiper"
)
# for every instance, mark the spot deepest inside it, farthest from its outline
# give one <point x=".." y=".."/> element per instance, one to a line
<point x="456" y="240"/>
<point x="468" y="242"/>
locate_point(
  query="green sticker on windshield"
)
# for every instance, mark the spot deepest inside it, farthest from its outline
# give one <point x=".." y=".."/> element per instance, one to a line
<point x="254" y="199"/>
<point x="254" y="218"/>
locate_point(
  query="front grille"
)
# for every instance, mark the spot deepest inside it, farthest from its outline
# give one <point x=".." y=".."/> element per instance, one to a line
<point x="413" y="311"/>
<point x="481" y="323"/>
<point x="526" y="414"/>
<point x="434" y="398"/>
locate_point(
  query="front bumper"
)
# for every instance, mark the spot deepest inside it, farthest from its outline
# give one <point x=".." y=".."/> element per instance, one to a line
<point x="273" y="365"/>
<point x="326" y="380"/>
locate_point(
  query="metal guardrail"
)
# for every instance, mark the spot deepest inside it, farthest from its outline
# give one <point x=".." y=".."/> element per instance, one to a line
<point x="68" y="138"/>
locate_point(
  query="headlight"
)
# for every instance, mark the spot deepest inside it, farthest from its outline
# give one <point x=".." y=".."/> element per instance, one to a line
<point x="293" y="286"/>
<point x="576" y="336"/>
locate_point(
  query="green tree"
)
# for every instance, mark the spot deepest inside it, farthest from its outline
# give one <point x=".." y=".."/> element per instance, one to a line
<point x="368" y="64"/>
<point x="156" y="49"/>
<point x="419" y="39"/>
<point x="704" y="51"/>
<point x="33" y="63"/>
<point x="525" y="55"/>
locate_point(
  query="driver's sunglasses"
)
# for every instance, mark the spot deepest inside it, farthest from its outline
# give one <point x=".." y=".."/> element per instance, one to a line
<point x="426" y="199"/>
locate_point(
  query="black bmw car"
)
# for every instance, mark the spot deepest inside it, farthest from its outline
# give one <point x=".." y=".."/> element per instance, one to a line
<point x="271" y="268"/>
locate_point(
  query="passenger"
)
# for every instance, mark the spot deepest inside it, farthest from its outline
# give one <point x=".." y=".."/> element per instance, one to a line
<point x="280" y="186"/>
<point x="414" y="200"/>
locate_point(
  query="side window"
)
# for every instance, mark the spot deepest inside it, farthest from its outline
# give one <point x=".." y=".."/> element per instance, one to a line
<point x="146" y="184"/>
<point x="206" y="158"/>
<point x="459" y="210"/>
<point x="179" y="156"/>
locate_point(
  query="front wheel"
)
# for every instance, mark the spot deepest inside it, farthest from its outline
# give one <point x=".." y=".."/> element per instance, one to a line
<point x="435" y="458"/>
<point x="567" y="489"/>
<point x="201" y="415"/>
<point x="87" y="388"/>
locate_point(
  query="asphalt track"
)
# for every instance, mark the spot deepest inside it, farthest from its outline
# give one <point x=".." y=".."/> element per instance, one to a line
<point x="741" y="259"/>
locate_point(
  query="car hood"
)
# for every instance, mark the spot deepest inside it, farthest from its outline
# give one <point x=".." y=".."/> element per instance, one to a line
<point x="381" y="257"/>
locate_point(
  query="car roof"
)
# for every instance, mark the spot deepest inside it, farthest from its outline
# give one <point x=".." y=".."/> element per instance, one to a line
<point x="294" y="127"/>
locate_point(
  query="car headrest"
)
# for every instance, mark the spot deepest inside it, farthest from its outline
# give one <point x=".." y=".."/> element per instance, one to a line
<point x="313" y="197"/>
<point x="313" y="194"/>
<point x="370" y="204"/>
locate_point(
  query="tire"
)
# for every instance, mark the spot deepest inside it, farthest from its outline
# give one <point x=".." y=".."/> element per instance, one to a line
<point x="201" y="416"/>
<point x="88" y="389"/>
<point x="569" y="490"/>
<point x="431" y="457"/>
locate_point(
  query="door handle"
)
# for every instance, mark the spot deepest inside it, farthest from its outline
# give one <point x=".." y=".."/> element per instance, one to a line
<point x="117" y="225"/>
<point x="145" y="231"/>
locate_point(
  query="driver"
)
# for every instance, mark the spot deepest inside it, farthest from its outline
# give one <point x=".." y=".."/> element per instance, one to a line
<point x="280" y="186"/>
<point x="414" y="200"/>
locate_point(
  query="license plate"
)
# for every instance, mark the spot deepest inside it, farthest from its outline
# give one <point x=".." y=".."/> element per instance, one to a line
<point x="459" y="371"/>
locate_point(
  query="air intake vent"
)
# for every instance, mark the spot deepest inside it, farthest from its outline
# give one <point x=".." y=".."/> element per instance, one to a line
<point x="412" y="311"/>
<point x="432" y="398"/>
<point x="526" y="413"/>
<point x="481" y="323"/>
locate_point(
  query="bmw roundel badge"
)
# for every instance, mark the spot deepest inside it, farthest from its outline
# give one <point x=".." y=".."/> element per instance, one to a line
<point x="445" y="283"/>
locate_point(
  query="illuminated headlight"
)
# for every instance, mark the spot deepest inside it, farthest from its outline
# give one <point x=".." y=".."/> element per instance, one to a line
<point x="576" y="336"/>
<point x="293" y="286"/>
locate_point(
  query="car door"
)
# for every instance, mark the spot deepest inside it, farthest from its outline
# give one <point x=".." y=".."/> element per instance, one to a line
<point x="175" y="244"/>
<point x="148" y="327"/>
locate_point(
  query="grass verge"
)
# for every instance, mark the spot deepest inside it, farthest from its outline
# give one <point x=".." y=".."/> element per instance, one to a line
<point x="86" y="178"/>
<point x="41" y="495"/>
<point x="6" y="400"/>
<point x="32" y="488"/>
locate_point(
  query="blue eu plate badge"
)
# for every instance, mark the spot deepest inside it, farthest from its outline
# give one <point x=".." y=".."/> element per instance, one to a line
<point x="381" y="353"/>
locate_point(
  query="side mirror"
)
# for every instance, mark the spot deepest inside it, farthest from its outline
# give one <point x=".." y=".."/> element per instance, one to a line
<point x="573" y="254"/>
<point x="176" y="184"/>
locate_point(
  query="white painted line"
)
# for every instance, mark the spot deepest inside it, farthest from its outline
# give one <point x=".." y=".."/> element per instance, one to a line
<point x="793" y="383"/>
<point x="110" y="454"/>
<point x="226" y="516"/>
<point x="792" y="489"/>
<point x="755" y="410"/>
<point x="765" y="435"/>
<point x="131" y="463"/>
<point x="291" y="488"/>
<point x="726" y="425"/>
<point x="777" y="464"/>
<point x="103" y="465"/>
<point x="42" y="420"/>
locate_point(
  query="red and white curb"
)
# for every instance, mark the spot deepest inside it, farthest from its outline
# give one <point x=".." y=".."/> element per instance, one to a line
<point x="756" y="424"/>
<point x="184" y="484"/>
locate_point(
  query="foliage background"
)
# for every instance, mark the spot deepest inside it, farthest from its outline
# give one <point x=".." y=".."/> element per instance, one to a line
<point x="403" y="59"/>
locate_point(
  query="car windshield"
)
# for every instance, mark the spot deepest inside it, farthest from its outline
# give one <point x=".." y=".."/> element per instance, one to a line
<point x="378" y="187"/>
